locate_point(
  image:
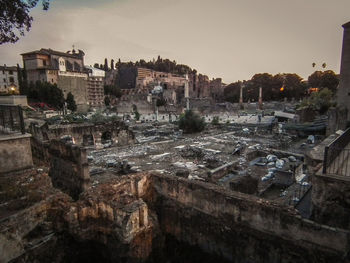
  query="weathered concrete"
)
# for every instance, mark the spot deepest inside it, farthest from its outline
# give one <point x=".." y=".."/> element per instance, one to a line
<point x="69" y="168"/>
<point x="15" y="152"/>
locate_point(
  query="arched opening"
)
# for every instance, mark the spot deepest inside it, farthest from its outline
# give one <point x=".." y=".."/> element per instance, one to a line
<point x="88" y="139"/>
<point x="106" y="138"/>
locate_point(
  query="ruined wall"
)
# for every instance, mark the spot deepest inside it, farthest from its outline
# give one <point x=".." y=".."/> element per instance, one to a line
<point x="240" y="227"/>
<point x="15" y="153"/>
<point x="40" y="152"/>
<point x="120" y="133"/>
<point x="69" y="168"/>
<point x="331" y="200"/>
<point x="336" y="119"/>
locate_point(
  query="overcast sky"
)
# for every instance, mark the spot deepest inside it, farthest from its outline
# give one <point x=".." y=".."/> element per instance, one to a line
<point x="232" y="39"/>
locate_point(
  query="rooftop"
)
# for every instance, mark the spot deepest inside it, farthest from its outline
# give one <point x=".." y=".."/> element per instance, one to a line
<point x="45" y="51"/>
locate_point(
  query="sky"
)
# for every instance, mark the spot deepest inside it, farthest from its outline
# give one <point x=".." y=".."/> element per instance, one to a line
<point x="230" y="39"/>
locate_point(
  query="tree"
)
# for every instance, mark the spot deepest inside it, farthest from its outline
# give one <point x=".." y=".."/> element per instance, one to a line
<point x="71" y="105"/>
<point x="22" y="81"/>
<point x="112" y="90"/>
<point x="232" y="92"/>
<point x="15" y="18"/>
<point x="107" y="101"/>
<point x="215" y="120"/>
<point x="46" y="92"/>
<point x="105" y="67"/>
<point x="96" y="65"/>
<point x="112" y="64"/>
<point x="190" y="122"/>
<point x="324" y="79"/>
<point x="320" y="101"/>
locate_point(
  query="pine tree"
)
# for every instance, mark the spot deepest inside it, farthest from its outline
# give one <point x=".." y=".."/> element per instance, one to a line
<point x="71" y="105"/>
<point x="106" y="65"/>
<point x="112" y="64"/>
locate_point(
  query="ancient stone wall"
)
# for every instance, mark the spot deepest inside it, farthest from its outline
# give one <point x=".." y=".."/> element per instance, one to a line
<point x="241" y="227"/>
<point x="331" y="200"/>
<point x="69" y="168"/>
<point x="86" y="134"/>
<point x="40" y="152"/>
<point x="15" y="153"/>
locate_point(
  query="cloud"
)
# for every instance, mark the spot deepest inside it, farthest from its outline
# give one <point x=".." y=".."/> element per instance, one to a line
<point x="222" y="38"/>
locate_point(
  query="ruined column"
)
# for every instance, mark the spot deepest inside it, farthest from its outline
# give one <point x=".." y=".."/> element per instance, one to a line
<point x="241" y="97"/>
<point x="343" y="94"/>
<point x="260" y="99"/>
<point x="187" y="93"/>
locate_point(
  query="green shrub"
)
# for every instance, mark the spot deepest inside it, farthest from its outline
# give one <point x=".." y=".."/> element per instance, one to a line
<point x="190" y="122"/>
<point x="215" y="120"/>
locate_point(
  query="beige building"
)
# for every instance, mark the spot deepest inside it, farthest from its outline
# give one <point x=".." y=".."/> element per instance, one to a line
<point x="8" y="79"/>
<point x="64" y="69"/>
<point x="95" y="87"/>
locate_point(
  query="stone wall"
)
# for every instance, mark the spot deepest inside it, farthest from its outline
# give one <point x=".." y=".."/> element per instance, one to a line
<point x="241" y="227"/>
<point x="78" y="87"/>
<point x="337" y="119"/>
<point x="120" y="133"/>
<point x="40" y="152"/>
<point x="15" y="153"/>
<point x="331" y="200"/>
<point x="69" y="168"/>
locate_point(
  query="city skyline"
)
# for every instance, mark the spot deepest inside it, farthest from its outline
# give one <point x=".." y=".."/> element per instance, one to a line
<point x="229" y="39"/>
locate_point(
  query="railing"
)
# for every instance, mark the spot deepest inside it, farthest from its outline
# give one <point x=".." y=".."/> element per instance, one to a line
<point x="337" y="155"/>
<point x="11" y="119"/>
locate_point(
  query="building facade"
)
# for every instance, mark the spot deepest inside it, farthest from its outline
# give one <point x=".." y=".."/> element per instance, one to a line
<point x="95" y="87"/>
<point x="8" y="79"/>
<point x="64" y="69"/>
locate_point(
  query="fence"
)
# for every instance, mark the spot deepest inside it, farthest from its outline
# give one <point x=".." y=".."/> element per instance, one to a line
<point x="11" y="119"/>
<point x="337" y="155"/>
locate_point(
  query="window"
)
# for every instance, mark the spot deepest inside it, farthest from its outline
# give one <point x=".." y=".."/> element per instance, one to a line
<point x="11" y="72"/>
<point x="5" y="80"/>
<point x="12" y="80"/>
<point x="44" y="62"/>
